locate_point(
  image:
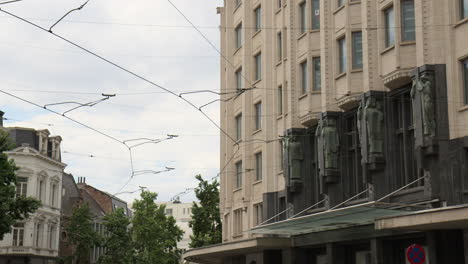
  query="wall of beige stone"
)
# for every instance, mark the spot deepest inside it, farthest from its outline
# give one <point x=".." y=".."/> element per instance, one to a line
<point x="441" y="38"/>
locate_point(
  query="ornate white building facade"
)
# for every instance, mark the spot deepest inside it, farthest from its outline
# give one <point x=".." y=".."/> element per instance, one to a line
<point x="36" y="239"/>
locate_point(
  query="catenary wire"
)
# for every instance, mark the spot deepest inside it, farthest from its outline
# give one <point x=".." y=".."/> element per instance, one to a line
<point x="121" y="68"/>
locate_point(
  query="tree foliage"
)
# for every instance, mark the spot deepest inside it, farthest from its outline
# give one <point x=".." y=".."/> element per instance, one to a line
<point x="118" y="241"/>
<point x="81" y="234"/>
<point x="155" y="235"/>
<point x="206" y="221"/>
<point x="12" y="209"/>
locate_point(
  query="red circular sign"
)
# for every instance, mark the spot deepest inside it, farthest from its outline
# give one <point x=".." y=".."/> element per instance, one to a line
<point x="416" y="254"/>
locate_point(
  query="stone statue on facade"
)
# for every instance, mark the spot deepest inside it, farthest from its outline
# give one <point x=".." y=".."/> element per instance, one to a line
<point x="318" y="136"/>
<point x="374" y="117"/>
<point x="423" y="87"/>
<point x="296" y="157"/>
<point x="331" y="144"/>
<point x="371" y="131"/>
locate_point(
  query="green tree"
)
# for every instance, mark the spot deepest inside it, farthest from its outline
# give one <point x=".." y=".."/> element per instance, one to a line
<point x="12" y="208"/>
<point x="118" y="241"/>
<point x="155" y="235"/>
<point x="206" y="221"/>
<point x="81" y="234"/>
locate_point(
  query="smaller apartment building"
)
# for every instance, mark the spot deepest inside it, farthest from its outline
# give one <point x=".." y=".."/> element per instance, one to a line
<point x="37" y="154"/>
<point x="347" y="140"/>
<point x="182" y="213"/>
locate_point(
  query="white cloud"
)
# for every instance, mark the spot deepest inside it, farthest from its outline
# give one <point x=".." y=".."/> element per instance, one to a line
<point x="174" y="57"/>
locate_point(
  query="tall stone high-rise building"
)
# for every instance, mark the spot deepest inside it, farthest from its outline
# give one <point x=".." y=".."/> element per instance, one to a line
<point x="347" y="126"/>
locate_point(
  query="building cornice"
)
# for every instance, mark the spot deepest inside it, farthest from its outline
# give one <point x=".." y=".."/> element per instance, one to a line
<point x="30" y="152"/>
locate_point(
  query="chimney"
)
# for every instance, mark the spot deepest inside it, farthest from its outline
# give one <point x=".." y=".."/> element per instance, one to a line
<point x="1" y="118"/>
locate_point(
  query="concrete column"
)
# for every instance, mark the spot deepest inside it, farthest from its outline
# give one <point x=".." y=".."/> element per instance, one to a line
<point x="465" y="244"/>
<point x="377" y="251"/>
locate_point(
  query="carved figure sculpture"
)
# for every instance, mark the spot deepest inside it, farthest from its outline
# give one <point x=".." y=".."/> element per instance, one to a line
<point x="296" y="156"/>
<point x="374" y="118"/>
<point x="361" y="132"/>
<point x="423" y="88"/>
<point x="330" y="144"/>
<point x="318" y="136"/>
<point x="427" y="100"/>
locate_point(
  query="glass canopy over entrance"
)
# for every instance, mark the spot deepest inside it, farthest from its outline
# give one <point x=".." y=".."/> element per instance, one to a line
<point x="356" y="215"/>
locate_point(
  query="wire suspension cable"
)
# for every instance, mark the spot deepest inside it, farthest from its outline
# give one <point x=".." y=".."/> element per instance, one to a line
<point x="402" y="188"/>
<point x="350" y="199"/>
<point x="209" y="41"/>
<point x="308" y="208"/>
<point x="76" y="9"/>
<point x="273" y="217"/>
<point x="121" y="68"/>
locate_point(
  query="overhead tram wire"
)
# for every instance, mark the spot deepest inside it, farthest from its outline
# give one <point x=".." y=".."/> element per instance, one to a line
<point x="121" y="68"/>
<point x="211" y="44"/>
<point x="64" y="116"/>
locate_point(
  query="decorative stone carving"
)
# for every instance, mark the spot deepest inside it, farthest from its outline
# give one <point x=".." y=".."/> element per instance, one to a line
<point x="330" y="144"/>
<point x="328" y="149"/>
<point x="296" y="157"/>
<point x="423" y="87"/>
<point x="371" y="131"/>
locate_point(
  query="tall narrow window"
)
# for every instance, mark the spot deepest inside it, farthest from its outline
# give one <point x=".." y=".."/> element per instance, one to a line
<point x="53" y="194"/>
<point x="304" y="77"/>
<point x="389" y="27"/>
<point x="258" y="116"/>
<point x="315" y="14"/>
<point x="258" y="166"/>
<point x="41" y="190"/>
<point x="38" y="236"/>
<point x="465" y="79"/>
<point x="463" y="9"/>
<point x="353" y="157"/>
<point x="408" y="32"/>
<point x="280" y="100"/>
<point x="302" y="17"/>
<point x="342" y="55"/>
<point x="404" y="139"/>
<point x="340" y="2"/>
<point x="317" y="82"/>
<point x="18" y="235"/>
<point x="280" y="4"/>
<point x="258" y="18"/>
<point x="357" y="50"/>
<point x="21" y="186"/>
<point x="237" y="222"/>
<point x="239" y="127"/>
<point x="52" y="236"/>
<point x="258" y="66"/>
<point x="279" y="40"/>
<point x="239" y="79"/>
<point x="239" y="36"/>
<point x="258" y="214"/>
<point x="238" y="174"/>
<point x="281" y="155"/>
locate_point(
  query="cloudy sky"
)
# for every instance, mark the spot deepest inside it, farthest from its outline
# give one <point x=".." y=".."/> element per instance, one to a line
<point x="148" y="37"/>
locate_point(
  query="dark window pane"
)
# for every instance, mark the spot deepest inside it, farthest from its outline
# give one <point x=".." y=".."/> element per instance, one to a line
<point x="280" y="46"/>
<point x="342" y="55"/>
<point x="315" y="14"/>
<point x="304" y="77"/>
<point x="464" y="8"/>
<point x="302" y="17"/>
<point x="389" y="27"/>
<point x="357" y="50"/>
<point x="258" y="18"/>
<point x="316" y="75"/>
<point x="408" y="32"/>
<point x="465" y="79"/>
